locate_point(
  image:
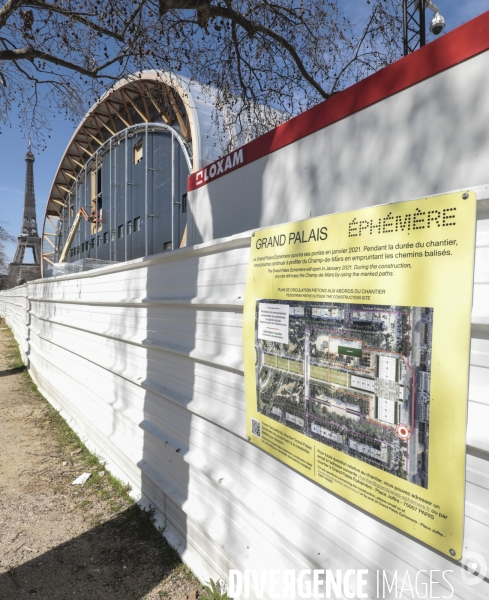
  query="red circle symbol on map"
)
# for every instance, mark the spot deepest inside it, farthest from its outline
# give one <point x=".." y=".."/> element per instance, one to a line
<point x="403" y="432"/>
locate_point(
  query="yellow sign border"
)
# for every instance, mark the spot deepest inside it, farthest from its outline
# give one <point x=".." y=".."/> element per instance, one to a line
<point x="442" y="280"/>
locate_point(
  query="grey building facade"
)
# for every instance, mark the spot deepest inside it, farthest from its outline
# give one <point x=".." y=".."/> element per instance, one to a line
<point x="134" y="192"/>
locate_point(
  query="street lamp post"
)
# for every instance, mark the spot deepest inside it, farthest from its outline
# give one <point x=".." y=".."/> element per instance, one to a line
<point x="422" y="23"/>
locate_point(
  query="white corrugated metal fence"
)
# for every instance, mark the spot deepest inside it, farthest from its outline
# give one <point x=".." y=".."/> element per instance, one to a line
<point x="145" y="361"/>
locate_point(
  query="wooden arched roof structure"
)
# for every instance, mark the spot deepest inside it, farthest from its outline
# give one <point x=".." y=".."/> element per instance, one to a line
<point x="146" y="97"/>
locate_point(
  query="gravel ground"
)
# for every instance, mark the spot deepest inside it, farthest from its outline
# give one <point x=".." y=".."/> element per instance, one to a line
<point x="60" y="541"/>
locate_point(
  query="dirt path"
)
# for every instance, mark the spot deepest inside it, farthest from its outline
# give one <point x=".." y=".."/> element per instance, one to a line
<point x="59" y="541"/>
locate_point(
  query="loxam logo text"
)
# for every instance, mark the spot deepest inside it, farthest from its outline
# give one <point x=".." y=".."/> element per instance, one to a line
<point x="219" y="167"/>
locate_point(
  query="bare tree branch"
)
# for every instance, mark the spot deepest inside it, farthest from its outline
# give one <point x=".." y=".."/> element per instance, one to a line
<point x="8" y="9"/>
<point x="263" y="60"/>
<point x="78" y="17"/>
<point x="5" y="235"/>
<point x="253" y="27"/>
<point x="31" y="53"/>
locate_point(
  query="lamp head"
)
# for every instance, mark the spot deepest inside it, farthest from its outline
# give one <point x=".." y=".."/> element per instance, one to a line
<point x="437" y="24"/>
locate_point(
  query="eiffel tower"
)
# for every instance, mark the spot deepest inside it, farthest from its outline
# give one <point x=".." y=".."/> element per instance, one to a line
<point x="18" y="271"/>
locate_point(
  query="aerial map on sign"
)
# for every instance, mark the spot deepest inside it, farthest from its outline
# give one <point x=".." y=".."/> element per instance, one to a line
<point x="354" y="377"/>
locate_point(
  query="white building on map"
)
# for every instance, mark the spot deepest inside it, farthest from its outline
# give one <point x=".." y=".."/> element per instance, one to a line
<point x="387" y="368"/>
<point x="363" y="383"/>
<point x="326" y="433"/>
<point x="294" y="419"/>
<point x="386" y="410"/>
<point x="328" y="313"/>
<point x="369" y="450"/>
<point x="424" y="381"/>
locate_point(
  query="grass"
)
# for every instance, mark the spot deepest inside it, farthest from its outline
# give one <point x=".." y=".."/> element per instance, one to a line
<point x="14" y="357"/>
<point x="330" y="375"/>
<point x="292" y="366"/>
<point x="105" y="486"/>
<point x="101" y="486"/>
<point x="214" y="591"/>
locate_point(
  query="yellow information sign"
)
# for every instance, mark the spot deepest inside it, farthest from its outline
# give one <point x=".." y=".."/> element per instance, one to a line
<point x="356" y="346"/>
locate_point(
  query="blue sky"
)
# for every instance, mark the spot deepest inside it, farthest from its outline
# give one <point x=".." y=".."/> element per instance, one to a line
<point x="13" y="144"/>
